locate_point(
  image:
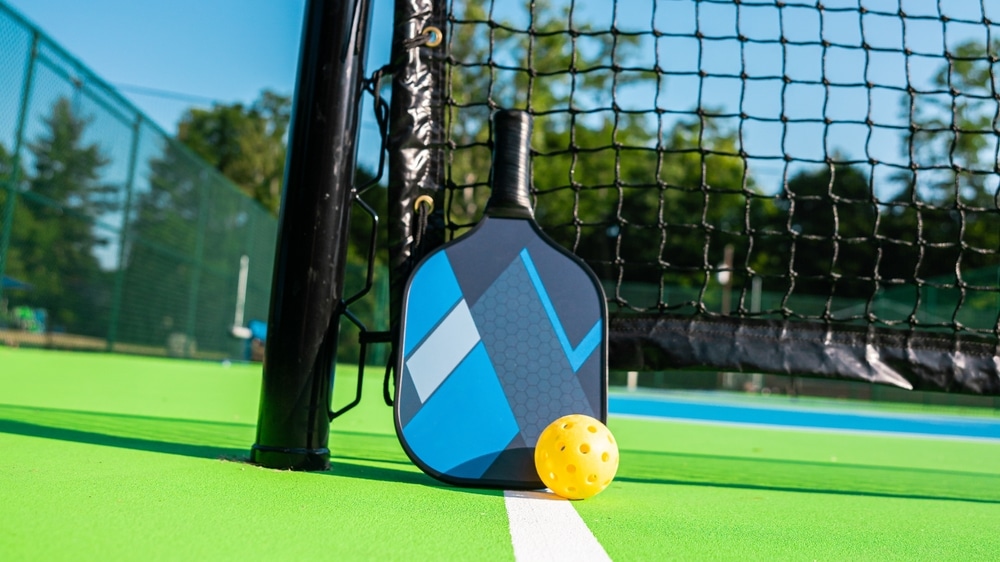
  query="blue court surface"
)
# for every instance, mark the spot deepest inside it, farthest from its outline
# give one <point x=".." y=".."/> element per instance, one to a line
<point x="703" y="408"/>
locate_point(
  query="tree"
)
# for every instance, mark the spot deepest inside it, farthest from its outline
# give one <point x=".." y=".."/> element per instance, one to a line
<point x="947" y="213"/>
<point x="187" y="234"/>
<point x="246" y="144"/>
<point x="827" y="217"/>
<point x="162" y="237"/>
<point x="6" y="169"/>
<point x="54" y="231"/>
<point x="638" y="199"/>
<point x="10" y="263"/>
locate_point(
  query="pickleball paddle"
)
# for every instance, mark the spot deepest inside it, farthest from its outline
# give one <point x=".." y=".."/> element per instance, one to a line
<point x="502" y="332"/>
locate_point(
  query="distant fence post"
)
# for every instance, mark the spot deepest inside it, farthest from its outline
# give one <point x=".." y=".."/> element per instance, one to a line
<point x="198" y="263"/>
<point x="15" y="161"/>
<point x="251" y="246"/>
<point x="116" y="300"/>
<point x="250" y="241"/>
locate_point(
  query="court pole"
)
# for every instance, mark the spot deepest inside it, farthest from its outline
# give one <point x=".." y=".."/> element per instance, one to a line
<point x="116" y="298"/>
<point x="7" y="219"/>
<point x="307" y="286"/>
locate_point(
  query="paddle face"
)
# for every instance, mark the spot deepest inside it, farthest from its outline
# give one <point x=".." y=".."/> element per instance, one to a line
<point x="502" y="333"/>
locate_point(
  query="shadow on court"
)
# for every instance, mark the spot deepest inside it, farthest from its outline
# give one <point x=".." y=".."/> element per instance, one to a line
<point x="135" y="443"/>
<point x="167" y="435"/>
<point x="339" y="467"/>
<point x="807" y="477"/>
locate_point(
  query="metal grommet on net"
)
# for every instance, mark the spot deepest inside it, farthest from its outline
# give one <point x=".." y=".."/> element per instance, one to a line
<point x="424" y="199"/>
<point x="434" y="36"/>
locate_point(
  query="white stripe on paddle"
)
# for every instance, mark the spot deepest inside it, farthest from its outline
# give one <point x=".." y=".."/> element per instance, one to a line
<point x="545" y="527"/>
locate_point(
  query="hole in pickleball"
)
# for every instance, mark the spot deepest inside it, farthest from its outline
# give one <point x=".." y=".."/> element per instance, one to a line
<point x="605" y="457"/>
<point x="591" y="429"/>
<point x="571" y="468"/>
<point x="584" y="448"/>
<point x="592" y="479"/>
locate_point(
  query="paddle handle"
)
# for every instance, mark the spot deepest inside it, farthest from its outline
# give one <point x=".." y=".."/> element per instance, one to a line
<point x="510" y="177"/>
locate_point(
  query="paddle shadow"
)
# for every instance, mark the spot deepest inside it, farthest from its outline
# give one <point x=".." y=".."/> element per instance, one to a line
<point x="387" y="474"/>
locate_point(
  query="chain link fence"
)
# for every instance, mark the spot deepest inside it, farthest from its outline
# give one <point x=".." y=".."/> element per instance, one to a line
<point x="113" y="236"/>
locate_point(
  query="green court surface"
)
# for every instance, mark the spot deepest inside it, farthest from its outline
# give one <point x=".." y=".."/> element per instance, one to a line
<point x="124" y="458"/>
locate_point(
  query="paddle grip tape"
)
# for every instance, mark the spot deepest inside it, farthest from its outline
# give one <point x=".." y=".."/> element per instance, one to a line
<point x="510" y="177"/>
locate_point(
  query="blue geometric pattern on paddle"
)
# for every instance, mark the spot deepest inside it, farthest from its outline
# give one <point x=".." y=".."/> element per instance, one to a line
<point x="535" y="372"/>
<point x="466" y="423"/>
<point x="435" y="277"/>
<point x="577" y="356"/>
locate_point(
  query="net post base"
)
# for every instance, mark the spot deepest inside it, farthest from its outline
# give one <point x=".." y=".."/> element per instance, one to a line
<point x="290" y="458"/>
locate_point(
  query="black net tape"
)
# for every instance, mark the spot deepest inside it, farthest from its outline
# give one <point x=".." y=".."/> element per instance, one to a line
<point x="768" y="171"/>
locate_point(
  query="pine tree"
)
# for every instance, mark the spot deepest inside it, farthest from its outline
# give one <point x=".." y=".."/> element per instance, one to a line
<point x="54" y="229"/>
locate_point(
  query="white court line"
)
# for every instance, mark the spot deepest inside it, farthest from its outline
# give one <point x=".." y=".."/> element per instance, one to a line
<point x="545" y="527"/>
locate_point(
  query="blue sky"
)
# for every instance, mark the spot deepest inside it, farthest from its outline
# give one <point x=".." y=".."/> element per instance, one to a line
<point x="230" y="50"/>
<point x="209" y="50"/>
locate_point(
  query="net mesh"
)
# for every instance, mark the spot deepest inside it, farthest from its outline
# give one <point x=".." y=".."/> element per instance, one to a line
<point x="832" y="163"/>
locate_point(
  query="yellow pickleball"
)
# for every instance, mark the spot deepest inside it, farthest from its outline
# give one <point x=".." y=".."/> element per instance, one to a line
<point x="576" y="456"/>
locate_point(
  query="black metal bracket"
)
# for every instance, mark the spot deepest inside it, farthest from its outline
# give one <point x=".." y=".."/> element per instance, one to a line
<point x="365" y="335"/>
<point x="431" y="37"/>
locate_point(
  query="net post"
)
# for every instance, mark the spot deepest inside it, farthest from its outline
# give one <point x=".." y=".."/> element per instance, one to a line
<point x="416" y="155"/>
<point x="293" y="426"/>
